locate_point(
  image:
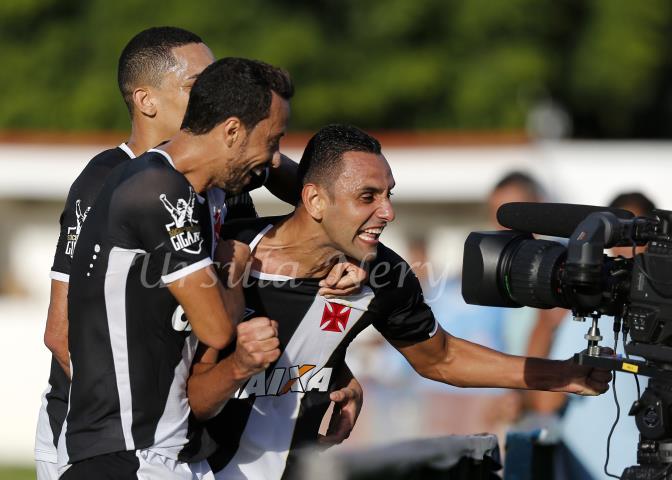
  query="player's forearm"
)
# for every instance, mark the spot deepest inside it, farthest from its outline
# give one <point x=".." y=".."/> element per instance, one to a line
<point x="56" y="330"/>
<point x="346" y="379"/>
<point x="467" y="364"/>
<point x="234" y="301"/>
<point x="202" y="298"/>
<point x="283" y="181"/>
<point x="211" y="385"/>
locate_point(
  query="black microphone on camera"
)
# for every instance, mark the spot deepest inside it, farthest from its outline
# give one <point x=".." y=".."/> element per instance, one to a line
<point x="551" y="219"/>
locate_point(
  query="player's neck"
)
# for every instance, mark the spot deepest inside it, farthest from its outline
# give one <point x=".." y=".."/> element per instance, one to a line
<point x="295" y="248"/>
<point x="144" y="136"/>
<point x="191" y="158"/>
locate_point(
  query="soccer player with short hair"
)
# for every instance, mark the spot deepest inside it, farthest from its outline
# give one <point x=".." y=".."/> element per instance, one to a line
<point x="143" y="261"/>
<point x="260" y="419"/>
<point x="156" y="71"/>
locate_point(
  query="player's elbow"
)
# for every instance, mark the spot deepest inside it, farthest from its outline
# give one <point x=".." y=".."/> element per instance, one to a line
<point x="441" y="366"/>
<point x="56" y="342"/>
<point x="217" y="338"/>
<point x="201" y="408"/>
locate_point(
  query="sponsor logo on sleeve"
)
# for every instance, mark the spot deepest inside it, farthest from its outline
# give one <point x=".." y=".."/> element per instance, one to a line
<point x="184" y="231"/>
<point x="73" y="232"/>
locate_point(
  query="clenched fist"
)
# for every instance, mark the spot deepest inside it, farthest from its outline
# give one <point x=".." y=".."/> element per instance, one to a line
<point x="257" y="346"/>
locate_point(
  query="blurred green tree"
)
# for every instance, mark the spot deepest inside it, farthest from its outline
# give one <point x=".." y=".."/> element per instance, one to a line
<point x="394" y="64"/>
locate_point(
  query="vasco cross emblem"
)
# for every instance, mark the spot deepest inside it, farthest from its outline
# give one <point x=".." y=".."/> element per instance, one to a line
<point x="335" y="317"/>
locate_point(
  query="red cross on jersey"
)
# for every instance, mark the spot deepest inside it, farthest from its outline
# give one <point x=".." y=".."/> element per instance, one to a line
<point x="335" y="317"/>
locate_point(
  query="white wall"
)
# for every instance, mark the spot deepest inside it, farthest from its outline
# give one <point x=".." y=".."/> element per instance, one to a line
<point x="35" y="180"/>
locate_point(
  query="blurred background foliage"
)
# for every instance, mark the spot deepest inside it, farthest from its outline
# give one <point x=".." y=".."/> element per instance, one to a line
<point x="382" y="64"/>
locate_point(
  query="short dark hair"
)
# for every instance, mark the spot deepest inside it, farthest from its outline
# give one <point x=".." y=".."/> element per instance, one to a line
<point x="147" y="56"/>
<point x="321" y="160"/>
<point x="637" y="199"/>
<point x="522" y="180"/>
<point x="234" y="87"/>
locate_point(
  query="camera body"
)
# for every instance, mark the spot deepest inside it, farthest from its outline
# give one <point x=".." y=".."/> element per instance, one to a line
<point x="512" y="269"/>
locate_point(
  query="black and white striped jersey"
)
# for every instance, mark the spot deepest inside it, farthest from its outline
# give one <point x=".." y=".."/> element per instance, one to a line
<point x="130" y="344"/>
<point x="280" y="409"/>
<point x="80" y="199"/>
<point x="81" y="196"/>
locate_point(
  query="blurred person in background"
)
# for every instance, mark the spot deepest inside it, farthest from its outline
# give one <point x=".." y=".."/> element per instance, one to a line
<point x="156" y="71"/>
<point x="582" y="424"/>
<point x="464" y="411"/>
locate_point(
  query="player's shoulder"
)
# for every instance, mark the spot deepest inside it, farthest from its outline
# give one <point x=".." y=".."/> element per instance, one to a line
<point x="386" y="256"/>
<point x="247" y="229"/>
<point x="390" y="270"/>
<point x="97" y="169"/>
<point x="153" y="172"/>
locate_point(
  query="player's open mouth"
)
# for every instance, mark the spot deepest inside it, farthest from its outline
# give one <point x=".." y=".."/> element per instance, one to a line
<point x="370" y="235"/>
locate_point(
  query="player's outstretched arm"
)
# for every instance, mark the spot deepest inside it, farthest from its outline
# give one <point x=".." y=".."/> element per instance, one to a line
<point x="56" y="331"/>
<point x="539" y="345"/>
<point x="213" y="382"/>
<point x="204" y="302"/>
<point x="449" y="359"/>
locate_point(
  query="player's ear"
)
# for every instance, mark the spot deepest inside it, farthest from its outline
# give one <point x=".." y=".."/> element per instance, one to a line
<point x="232" y="130"/>
<point x="314" y="200"/>
<point x="144" y="102"/>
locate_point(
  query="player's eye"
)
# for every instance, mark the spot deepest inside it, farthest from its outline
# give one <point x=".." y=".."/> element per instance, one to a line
<point x="367" y="198"/>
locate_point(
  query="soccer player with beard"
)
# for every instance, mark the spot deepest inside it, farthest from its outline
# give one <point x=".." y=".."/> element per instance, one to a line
<point x="156" y="71"/>
<point x="259" y="419"/>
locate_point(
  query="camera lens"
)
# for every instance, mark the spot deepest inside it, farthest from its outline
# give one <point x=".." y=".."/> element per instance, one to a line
<point x="531" y="273"/>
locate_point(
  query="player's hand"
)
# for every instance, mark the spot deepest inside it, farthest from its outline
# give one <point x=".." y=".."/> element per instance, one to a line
<point x="348" y="403"/>
<point x="232" y="257"/>
<point x="345" y="278"/>
<point x="257" y="346"/>
<point x="585" y="380"/>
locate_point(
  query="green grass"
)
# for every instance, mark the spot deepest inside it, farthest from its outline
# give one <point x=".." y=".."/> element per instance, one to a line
<point x="17" y="473"/>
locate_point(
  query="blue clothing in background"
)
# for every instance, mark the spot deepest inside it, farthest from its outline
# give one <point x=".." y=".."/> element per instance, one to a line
<point x="587" y="420"/>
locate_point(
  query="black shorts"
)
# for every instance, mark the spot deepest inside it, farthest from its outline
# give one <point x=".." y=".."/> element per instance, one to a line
<point x="112" y="466"/>
<point x="137" y="465"/>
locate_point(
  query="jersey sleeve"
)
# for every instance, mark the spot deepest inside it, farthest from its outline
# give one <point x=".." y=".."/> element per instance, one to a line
<point x="257" y="181"/>
<point x="162" y="216"/>
<point x="60" y="268"/>
<point x="72" y="218"/>
<point x="400" y="310"/>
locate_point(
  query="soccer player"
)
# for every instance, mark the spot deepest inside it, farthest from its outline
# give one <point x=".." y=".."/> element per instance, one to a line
<point x="143" y="260"/>
<point x="260" y="419"/>
<point x="157" y="69"/>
